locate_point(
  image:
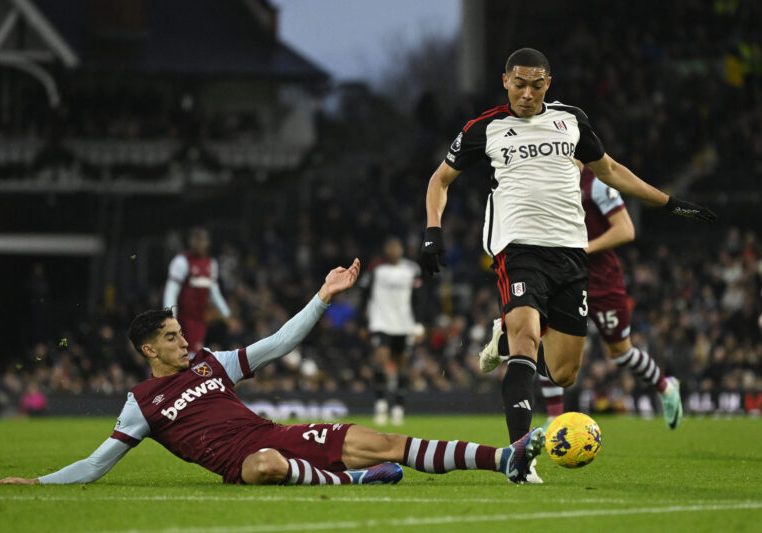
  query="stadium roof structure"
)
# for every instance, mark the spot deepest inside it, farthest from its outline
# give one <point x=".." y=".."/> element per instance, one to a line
<point x="199" y="37"/>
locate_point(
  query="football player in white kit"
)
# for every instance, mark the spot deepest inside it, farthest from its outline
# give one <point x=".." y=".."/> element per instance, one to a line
<point x="534" y="224"/>
<point x="388" y="292"/>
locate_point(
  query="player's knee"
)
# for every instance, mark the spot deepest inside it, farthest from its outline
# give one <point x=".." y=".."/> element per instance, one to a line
<point x="267" y="466"/>
<point x="566" y="375"/>
<point x="385" y="443"/>
<point x="388" y="445"/>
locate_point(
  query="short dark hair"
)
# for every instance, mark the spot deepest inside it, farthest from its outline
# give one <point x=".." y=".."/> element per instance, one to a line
<point x="145" y="325"/>
<point x="527" y="57"/>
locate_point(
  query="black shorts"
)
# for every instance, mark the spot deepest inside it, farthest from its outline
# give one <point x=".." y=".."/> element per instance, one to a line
<point x="552" y="280"/>
<point x="396" y="343"/>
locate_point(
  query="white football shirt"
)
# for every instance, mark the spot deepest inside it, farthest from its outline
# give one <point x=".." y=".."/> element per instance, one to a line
<point x="535" y="197"/>
<point x="390" y="307"/>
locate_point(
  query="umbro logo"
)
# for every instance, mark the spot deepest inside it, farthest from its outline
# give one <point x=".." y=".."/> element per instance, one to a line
<point x="510" y="133"/>
<point x="158" y="399"/>
<point x="523" y="404"/>
<point x="428" y="243"/>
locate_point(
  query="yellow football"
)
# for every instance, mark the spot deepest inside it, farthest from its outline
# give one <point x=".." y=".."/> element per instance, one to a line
<point x="572" y="440"/>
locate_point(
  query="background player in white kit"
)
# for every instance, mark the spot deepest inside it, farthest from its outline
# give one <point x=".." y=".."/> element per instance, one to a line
<point x="534" y="224"/>
<point x="388" y="292"/>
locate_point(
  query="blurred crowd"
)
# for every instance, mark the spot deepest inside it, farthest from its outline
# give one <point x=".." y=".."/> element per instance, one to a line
<point x="696" y="311"/>
<point x="675" y="99"/>
<point x="657" y="90"/>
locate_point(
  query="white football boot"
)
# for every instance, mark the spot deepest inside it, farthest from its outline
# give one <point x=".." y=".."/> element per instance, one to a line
<point x="532" y="476"/>
<point x="489" y="357"/>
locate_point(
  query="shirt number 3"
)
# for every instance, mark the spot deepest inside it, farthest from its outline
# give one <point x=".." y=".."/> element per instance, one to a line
<point x="583" y="308"/>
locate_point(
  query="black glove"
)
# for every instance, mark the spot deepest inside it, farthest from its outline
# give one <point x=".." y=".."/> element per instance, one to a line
<point x="432" y="252"/>
<point x="686" y="209"/>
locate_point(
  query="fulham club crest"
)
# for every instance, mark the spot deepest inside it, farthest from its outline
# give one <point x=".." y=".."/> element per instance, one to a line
<point x="518" y="289"/>
<point x="202" y="369"/>
<point x="560" y="125"/>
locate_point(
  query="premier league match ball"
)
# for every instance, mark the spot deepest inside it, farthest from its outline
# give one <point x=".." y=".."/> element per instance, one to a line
<point x="573" y="440"/>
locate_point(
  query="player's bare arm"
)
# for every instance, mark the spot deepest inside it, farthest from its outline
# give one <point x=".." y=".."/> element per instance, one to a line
<point x="436" y="193"/>
<point x="432" y="249"/>
<point x="621" y="178"/>
<point x="620" y="232"/>
<point x="618" y="176"/>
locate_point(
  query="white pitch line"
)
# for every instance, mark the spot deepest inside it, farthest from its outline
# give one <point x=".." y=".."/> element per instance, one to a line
<point x="442" y="520"/>
<point x="308" y="499"/>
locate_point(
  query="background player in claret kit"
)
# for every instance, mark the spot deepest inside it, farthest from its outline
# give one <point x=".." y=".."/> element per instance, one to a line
<point x="608" y="226"/>
<point x="534" y="224"/>
<point x="192" y="410"/>
<point x="191" y="282"/>
<point x="388" y="298"/>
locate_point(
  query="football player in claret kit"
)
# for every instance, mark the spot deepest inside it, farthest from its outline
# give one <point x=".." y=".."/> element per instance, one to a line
<point x="534" y="225"/>
<point x="190" y="407"/>
<point x="192" y="281"/>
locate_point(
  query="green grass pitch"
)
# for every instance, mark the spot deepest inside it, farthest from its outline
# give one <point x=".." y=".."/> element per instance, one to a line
<point x="706" y="476"/>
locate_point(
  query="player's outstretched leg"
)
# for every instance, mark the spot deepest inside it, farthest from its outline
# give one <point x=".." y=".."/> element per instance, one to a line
<point x="270" y="467"/>
<point x="364" y="446"/>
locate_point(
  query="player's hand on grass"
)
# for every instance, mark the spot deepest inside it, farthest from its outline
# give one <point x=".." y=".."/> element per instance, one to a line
<point x="18" y="481"/>
<point x="432" y="252"/>
<point x="339" y="279"/>
<point x="684" y="208"/>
